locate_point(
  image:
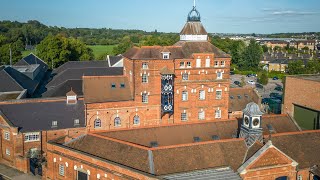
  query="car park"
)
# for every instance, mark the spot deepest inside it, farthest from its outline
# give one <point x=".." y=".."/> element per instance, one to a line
<point x="278" y="88"/>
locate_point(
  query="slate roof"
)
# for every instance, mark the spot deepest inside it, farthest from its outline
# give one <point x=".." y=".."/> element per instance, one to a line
<point x="287" y="61"/>
<point x="114" y="60"/>
<point x="181" y="50"/>
<point x="32" y="116"/>
<point x="62" y="89"/>
<point x="76" y="74"/>
<point x="240" y="97"/>
<point x="99" y="89"/>
<point x="32" y="59"/>
<point x="81" y="65"/>
<point x="8" y="83"/>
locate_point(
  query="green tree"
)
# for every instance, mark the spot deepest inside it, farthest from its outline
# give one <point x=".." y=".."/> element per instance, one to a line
<point x="263" y="79"/>
<point x="237" y="48"/>
<point x="265" y="48"/>
<point x="251" y="56"/>
<point x="123" y="46"/>
<point x="296" y="67"/>
<point x="15" y="53"/>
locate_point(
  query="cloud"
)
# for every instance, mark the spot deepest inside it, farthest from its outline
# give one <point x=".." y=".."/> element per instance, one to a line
<point x="287" y="12"/>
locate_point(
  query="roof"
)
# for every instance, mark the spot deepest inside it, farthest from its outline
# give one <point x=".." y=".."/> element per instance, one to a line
<point x="310" y="77"/>
<point x="106" y="89"/>
<point x="252" y="109"/>
<point x="32" y="59"/>
<point x="8" y="83"/>
<point x="33" y="115"/>
<point x="181" y="50"/>
<point x="76" y="74"/>
<point x="193" y="28"/>
<point x="184" y="133"/>
<point x="81" y="65"/>
<point x="240" y="97"/>
<point x="71" y="93"/>
<point x="62" y="89"/>
<point x="287" y="61"/>
<point x="114" y="60"/>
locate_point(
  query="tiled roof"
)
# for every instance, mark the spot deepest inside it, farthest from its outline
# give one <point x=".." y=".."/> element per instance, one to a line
<point x="240" y="97"/>
<point x="106" y="89"/>
<point x="32" y="116"/>
<point x="193" y="28"/>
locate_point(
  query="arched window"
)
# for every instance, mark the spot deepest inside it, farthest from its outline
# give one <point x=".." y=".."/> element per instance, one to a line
<point x="136" y="120"/>
<point x="117" y="122"/>
<point x="97" y="123"/>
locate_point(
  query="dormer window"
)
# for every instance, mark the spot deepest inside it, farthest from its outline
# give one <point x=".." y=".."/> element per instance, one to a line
<point x="76" y="122"/>
<point x="166" y="56"/>
<point x="54" y="124"/>
<point x="71" y="97"/>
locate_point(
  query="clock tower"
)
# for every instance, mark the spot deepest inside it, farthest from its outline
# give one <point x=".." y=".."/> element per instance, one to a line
<point x="251" y="126"/>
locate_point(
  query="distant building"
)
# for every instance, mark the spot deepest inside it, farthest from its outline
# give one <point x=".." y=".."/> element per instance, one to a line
<point x="281" y="65"/>
<point x="302" y="100"/>
<point x="310" y="44"/>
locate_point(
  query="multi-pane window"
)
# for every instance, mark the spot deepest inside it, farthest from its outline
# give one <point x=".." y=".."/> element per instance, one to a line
<point x="54" y="123"/>
<point x="144" y="78"/>
<point x="76" y="122"/>
<point x="145" y="65"/>
<point x="136" y="120"/>
<point x="144" y="97"/>
<point x="184" y="96"/>
<point x="117" y="122"/>
<point x="218" y="94"/>
<point x="201" y="115"/>
<point x="207" y="62"/>
<point x="166" y="56"/>
<point x="181" y="64"/>
<point x="184" y="116"/>
<point x="61" y="169"/>
<point x="185" y="76"/>
<point x="198" y="63"/>
<point x="6" y="135"/>
<point x="202" y="95"/>
<point x="222" y="63"/>
<point x="7" y="151"/>
<point x="30" y="137"/>
<point x="216" y="63"/>
<point x="218" y="113"/>
<point x="189" y="64"/>
<point x="97" y="123"/>
<point x="219" y="75"/>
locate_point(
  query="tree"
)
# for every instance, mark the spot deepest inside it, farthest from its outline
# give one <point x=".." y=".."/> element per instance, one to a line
<point x="123" y="46"/>
<point x="237" y="48"/>
<point x="296" y="67"/>
<point x="263" y="79"/>
<point x="265" y="48"/>
<point x="251" y="56"/>
<point x="15" y="52"/>
<point x="56" y="50"/>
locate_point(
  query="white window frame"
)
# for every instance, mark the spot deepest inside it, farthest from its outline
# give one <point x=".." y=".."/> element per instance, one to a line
<point x="7" y="135"/>
<point x="97" y="123"/>
<point x="184" y="116"/>
<point x="166" y="56"/>
<point x="198" y="63"/>
<point x="182" y="65"/>
<point x="184" y="95"/>
<point x="218" y="114"/>
<point x="145" y="65"/>
<point x="185" y="76"/>
<point x="219" y="75"/>
<point x="76" y="122"/>
<point x="145" y="98"/>
<point x="223" y="63"/>
<point x="202" y="95"/>
<point x="54" y="124"/>
<point x="8" y="152"/>
<point x="188" y="64"/>
<point x="117" y="122"/>
<point x="136" y="120"/>
<point x="32" y="137"/>
<point x="208" y="62"/>
<point x="144" y="78"/>
<point x="61" y="169"/>
<point x="216" y="63"/>
<point x="219" y="96"/>
<point x="201" y="115"/>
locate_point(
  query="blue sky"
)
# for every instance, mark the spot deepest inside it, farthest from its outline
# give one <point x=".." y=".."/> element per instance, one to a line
<point x="220" y="16"/>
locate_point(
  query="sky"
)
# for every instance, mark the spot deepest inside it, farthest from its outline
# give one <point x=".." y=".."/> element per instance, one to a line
<point x="218" y="16"/>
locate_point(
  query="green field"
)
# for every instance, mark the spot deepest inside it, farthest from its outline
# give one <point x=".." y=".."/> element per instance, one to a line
<point x="99" y="50"/>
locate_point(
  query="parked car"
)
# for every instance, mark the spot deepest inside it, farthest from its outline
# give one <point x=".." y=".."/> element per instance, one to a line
<point x="237" y="83"/>
<point x="276" y="96"/>
<point x="278" y="88"/>
<point x="275" y="78"/>
<point x="232" y="73"/>
<point x="251" y="82"/>
<point x="259" y="86"/>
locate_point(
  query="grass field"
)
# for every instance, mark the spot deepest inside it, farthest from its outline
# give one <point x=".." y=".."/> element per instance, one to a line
<point x="99" y="50"/>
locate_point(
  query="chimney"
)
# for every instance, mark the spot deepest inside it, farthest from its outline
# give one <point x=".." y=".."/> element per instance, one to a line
<point x="71" y="97"/>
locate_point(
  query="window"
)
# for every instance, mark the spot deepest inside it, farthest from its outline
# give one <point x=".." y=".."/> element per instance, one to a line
<point x="185" y="76"/>
<point x="144" y="97"/>
<point x="97" y="123"/>
<point x="136" y="120"/>
<point x="218" y="113"/>
<point x="166" y="56"/>
<point x="76" y="122"/>
<point x="184" y="96"/>
<point x="300" y="177"/>
<point x="54" y="123"/>
<point x="122" y="85"/>
<point x="30" y="137"/>
<point x="202" y="95"/>
<point x="222" y="63"/>
<point x="7" y="151"/>
<point x="61" y="170"/>
<point x="6" y="135"/>
<point x="198" y="63"/>
<point x="113" y="85"/>
<point x="144" y="78"/>
<point x="184" y="116"/>
<point x="201" y="115"/>
<point x="219" y="75"/>
<point x="145" y="65"/>
<point x="181" y="64"/>
<point x="117" y="122"/>
<point x="218" y="94"/>
<point x="189" y="64"/>
<point x="207" y="62"/>
<point x="216" y="63"/>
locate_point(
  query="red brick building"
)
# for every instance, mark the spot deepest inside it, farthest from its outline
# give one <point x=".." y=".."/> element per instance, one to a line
<point x="186" y="82"/>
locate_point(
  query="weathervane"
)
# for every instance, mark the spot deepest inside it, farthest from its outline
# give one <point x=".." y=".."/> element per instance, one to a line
<point x="194" y="3"/>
